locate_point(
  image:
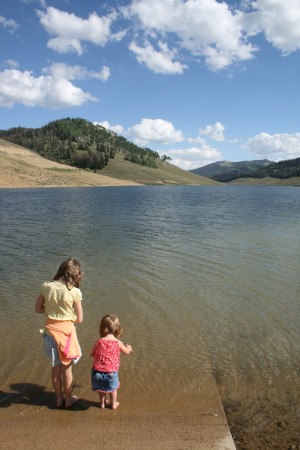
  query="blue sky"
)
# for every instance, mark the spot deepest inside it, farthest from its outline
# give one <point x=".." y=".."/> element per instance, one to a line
<point x="197" y="80"/>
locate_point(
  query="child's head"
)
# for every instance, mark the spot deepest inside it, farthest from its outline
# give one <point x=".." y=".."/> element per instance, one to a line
<point x="110" y="324"/>
<point x="70" y="272"/>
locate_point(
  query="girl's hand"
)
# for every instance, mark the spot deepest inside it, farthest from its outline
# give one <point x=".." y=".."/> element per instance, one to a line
<point x="126" y="349"/>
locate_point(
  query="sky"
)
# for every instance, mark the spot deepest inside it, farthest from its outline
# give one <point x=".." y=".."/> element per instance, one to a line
<point x="199" y="81"/>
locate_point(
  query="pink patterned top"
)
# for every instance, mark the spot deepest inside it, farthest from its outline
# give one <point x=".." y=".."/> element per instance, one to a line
<point x="106" y="355"/>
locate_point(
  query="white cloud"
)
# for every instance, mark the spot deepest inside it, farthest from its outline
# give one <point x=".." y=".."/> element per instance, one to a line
<point x="158" y="61"/>
<point x="215" y="31"/>
<point x="103" y="75"/>
<point x="215" y="132"/>
<point x="71" y="31"/>
<point x="116" y="128"/>
<point x="46" y="91"/>
<point x="275" y="147"/>
<point x="194" y="157"/>
<point x="278" y="20"/>
<point x="207" y="28"/>
<point x="156" y="130"/>
<point x="9" y="24"/>
<point x="67" y="72"/>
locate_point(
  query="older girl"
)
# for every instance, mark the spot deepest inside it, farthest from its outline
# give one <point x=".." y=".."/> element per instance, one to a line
<point x="60" y="300"/>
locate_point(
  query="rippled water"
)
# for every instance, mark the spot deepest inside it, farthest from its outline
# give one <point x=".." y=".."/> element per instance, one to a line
<point x="202" y="278"/>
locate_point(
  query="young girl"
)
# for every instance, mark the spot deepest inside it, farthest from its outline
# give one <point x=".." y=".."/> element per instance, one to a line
<point x="106" y="353"/>
<point x="60" y="300"/>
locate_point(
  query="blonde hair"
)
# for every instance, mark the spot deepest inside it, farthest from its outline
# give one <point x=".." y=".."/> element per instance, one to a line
<point x="110" y="324"/>
<point x="70" y="272"/>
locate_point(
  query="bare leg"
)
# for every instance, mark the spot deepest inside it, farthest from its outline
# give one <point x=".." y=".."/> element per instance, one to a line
<point x="67" y="377"/>
<point x="102" y="397"/>
<point x="57" y="385"/>
<point x="113" y="398"/>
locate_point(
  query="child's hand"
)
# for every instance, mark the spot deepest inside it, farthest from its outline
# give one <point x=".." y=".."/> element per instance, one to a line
<point x="126" y="349"/>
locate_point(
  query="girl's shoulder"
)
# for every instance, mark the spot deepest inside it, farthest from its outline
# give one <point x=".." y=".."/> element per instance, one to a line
<point x="47" y="285"/>
<point x="76" y="293"/>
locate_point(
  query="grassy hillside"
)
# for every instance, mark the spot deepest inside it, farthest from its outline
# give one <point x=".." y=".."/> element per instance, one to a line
<point x="165" y="173"/>
<point x="20" y="167"/>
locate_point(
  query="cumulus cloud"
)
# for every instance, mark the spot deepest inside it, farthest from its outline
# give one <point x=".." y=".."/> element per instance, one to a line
<point x="275" y="147"/>
<point x="119" y="129"/>
<point x="215" y="132"/>
<point x="70" y="31"/>
<point x="158" y="61"/>
<point x="156" y="130"/>
<point x="164" y="32"/>
<point x="277" y="20"/>
<point x="46" y="90"/>
<point x="9" y="24"/>
<point x="191" y="27"/>
<point x="194" y="26"/>
<point x="194" y="157"/>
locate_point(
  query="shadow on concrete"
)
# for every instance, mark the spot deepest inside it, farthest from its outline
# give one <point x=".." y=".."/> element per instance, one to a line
<point x="35" y="395"/>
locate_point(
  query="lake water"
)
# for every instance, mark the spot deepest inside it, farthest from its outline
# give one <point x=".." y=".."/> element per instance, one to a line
<point x="202" y="278"/>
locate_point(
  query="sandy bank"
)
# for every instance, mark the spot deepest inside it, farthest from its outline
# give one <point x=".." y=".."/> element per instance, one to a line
<point x="21" y="168"/>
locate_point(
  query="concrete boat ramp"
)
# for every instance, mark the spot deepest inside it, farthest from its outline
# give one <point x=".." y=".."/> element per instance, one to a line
<point x="30" y="422"/>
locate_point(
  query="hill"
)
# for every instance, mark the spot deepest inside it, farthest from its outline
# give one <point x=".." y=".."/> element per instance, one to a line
<point x="20" y="167"/>
<point x="82" y="144"/>
<point x="226" y="170"/>
<point x="79" y="143"/>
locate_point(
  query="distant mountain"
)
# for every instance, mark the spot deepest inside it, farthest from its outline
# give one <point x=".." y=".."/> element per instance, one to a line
<point x="225" y="171"/>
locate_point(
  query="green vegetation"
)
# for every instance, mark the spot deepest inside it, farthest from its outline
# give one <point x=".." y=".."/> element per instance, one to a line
<point x="164" y="174"/>
<point x="79" y="143"/>
<point x="282" y="170"/>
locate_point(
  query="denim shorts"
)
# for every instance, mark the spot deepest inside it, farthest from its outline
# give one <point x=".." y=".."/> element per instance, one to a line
<point x="50" y="350"/>
<point x="104" y="381"/>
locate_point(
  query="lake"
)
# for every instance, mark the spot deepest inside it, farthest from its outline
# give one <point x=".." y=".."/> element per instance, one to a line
<point x="202" y="278"/>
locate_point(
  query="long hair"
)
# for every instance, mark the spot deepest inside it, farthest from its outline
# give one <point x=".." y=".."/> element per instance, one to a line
<point x="110" y="324"/>
<point x="70" y="272"/>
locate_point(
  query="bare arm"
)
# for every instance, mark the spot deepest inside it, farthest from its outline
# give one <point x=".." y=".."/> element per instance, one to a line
<point x="40" y="305"/>
<point x="126" y="349"/>
<point x="79" y="312"/>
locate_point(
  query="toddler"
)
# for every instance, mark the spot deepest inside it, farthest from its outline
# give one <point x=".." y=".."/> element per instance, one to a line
<point x="106" y="353"/>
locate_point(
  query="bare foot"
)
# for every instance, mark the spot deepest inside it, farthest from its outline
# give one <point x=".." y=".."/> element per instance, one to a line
<point x="115" y="405"/>
<point x="70" y="401"/>
<point x="60" y="402"/>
